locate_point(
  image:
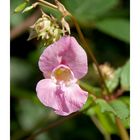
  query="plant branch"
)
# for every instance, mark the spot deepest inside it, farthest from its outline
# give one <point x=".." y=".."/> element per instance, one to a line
<point x="88" y="88"/>
<point x="103" y="84"/>
<point x="56" y="123"/>
<point x="48" y="4"/>
<point x="122" y="130"/>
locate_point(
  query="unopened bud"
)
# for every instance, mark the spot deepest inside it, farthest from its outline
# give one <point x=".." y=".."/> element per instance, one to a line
<point x="47" y="29"/>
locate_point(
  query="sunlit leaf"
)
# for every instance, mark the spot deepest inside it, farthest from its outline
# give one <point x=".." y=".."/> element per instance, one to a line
<point x="104" y="106"/>
<point x="107" y="120"/>
<point x="125" y="77"/>
<point x="126" y="100"/>
<point x="120" y="108"/>
<point x="114" y="81"/>
<point x="117" y="107"/>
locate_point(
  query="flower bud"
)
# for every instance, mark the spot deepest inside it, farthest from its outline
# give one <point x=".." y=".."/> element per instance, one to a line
<point x="47" y="29"/>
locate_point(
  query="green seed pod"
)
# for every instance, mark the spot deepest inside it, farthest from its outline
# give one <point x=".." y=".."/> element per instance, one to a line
<point x="20" y="7"/>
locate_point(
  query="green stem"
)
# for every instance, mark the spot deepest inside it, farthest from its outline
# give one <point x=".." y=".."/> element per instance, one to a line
<point x="122" y="130"/>
<point x="103" y="84"/>
<point x="45" y="3"/>
<point x="88" y="88"/>
<point x="100" y="128"/>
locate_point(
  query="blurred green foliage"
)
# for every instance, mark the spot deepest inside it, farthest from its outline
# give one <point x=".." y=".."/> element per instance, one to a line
<point x="105" y="24"/>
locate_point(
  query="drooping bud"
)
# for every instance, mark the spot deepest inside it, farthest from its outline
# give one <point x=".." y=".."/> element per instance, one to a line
<point x="47" y="29"/>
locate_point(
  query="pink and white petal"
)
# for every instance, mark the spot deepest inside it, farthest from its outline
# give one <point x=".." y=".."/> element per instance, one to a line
<point x="51" y="95"/>
<point x="74" y="57"/>
<point x="65" y="51"/>
<point x="46" y="92"/>
<point x="50" y="57"/>
<point x="62" y="113"/>
<point x="75" y="98"/>
<point x="48" y="61"/>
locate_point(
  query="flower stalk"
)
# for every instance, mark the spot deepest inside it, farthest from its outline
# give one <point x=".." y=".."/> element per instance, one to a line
<point x="103" y="84"/>
<point x="122" y="130"/>
<point x="57" y="123"/>
<point x="48" y="4"/>
<point x="67" y="13"/>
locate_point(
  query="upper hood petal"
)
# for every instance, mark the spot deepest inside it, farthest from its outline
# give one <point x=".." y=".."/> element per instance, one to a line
<point x="65" y="51"/>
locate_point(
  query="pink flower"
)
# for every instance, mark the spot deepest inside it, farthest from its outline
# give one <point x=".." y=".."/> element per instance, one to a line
<point x="62" y="64"/>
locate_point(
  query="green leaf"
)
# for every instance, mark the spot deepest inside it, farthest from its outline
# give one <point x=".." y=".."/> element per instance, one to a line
<point x="126" y="122"/>
<point x="116" y="27"/>
<point x="114" y="82"/>
<point x="117" y="107"/>
<point x="106" y="113"/>
<point x="125" y="76"/>
<point x="104" y="106"/>
<point x="107" y="120"/>
<point x="126" y="100"/>
<point x="90" y="111"/>
<point x="88" y="10"/>
<point x="120" y="108"/>
<point x="20" y="7"/>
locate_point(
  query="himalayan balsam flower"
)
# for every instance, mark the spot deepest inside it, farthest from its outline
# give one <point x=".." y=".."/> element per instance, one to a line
<point x="62" y="64"/>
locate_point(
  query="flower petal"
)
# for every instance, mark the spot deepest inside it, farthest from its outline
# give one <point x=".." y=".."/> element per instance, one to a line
<point x="65" y="51"/>
<point x="51" y="95"/>
<point x="46" y="92"/>
<point x="75" y="98"/>
<point x="64" y="100"/>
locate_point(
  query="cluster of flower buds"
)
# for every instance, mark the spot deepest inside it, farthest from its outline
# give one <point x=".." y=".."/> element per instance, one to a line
<point x="47" y="29"/>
